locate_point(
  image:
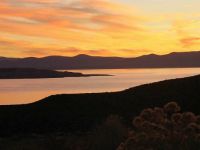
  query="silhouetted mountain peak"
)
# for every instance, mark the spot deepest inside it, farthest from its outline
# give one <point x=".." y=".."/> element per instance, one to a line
<point x="1" y="58"/>
<point x="151" y="55"/>
<point x="148" y="56"/>
<point x="53" y="56"/>
<point x="82" y="56"/>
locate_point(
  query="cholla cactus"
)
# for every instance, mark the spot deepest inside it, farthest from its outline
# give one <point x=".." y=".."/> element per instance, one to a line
<point x="147" y="114"/>
<point x="172" y="107"/>
<point x="137" y="122"/>
<point x="198" y="120"/>
<point x="164" y="129"/>
<point x="188" y="117"/>
<point x="177" y="117"/>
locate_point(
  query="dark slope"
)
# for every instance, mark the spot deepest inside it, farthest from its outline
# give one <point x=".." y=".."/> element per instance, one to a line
<point x="182" y="59"/>
<point x="31" y="73"/>
<point x="72" y="113"/>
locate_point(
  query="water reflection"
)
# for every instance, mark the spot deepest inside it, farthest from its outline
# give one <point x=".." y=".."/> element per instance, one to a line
<point x="30" y="90"/>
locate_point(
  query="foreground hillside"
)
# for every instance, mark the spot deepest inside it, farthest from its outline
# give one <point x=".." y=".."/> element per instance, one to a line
<point x="172" y="60"/>
<point x="78" y="113"/>
<point x="155" y="128"/>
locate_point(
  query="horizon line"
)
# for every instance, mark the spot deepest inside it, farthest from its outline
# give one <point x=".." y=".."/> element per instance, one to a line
<point x="83" y="54"/>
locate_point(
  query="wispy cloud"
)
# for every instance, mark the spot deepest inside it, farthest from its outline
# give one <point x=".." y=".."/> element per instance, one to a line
<point x="96" y="27"/>
<point x="187" y="31"/>
<point x="190" y="41"/>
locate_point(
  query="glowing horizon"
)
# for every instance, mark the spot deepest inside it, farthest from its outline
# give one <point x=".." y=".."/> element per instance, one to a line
<point x="122" y="28"/>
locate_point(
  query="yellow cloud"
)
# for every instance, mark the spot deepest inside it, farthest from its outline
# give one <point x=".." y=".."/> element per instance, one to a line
<point x="96" y="27"/>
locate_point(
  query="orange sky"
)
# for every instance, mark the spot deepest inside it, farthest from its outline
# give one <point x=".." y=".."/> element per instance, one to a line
<point x="98" y="27"/>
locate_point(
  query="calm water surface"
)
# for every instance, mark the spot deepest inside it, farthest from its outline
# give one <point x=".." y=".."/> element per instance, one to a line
<point x="30" y="90"/>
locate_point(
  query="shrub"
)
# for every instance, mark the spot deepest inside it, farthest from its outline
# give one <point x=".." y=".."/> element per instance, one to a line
<point x="164" y="129"/>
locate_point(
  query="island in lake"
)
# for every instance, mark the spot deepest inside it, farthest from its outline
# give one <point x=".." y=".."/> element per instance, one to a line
<point x="32" y="73"/>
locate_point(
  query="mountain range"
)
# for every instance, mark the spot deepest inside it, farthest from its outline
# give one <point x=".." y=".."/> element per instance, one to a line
<point x="82" y="61"/>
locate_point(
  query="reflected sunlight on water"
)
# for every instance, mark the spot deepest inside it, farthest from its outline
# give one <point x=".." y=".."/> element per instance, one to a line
<point x="30" y="90"/>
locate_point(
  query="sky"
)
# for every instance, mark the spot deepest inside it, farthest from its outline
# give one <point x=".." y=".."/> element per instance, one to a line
<point x="125" y="28"/>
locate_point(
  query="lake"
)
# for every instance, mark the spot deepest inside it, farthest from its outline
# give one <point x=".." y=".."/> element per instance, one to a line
<point x="20" y="91"/>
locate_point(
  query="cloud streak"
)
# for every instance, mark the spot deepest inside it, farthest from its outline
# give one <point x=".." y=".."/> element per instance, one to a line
<point x="96" y="27"/>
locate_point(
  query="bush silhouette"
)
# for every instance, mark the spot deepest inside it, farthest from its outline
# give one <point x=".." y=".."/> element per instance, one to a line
<point x="164" y="129"/>
<point x="109" y="135"/>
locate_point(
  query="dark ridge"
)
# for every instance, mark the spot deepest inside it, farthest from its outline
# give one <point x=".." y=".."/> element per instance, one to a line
<point x="82" y="61"/>
<point x="82" y="56"/>
<point x="32" y="73"/>
<point x="80" y="112"/>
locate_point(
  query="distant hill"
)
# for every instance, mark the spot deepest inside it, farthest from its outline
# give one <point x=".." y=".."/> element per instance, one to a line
<point x="182" y="59"/>
<point x="30" y="73"/>
<point x="81" y="112"/>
